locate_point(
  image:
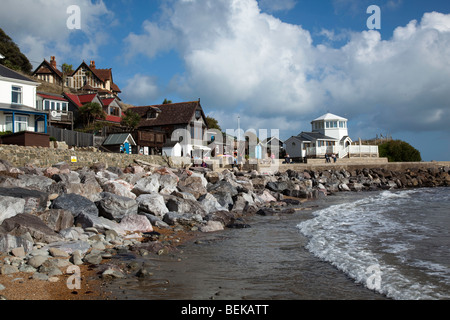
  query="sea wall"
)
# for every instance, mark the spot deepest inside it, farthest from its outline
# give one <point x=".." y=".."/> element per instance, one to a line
<point x="45" y="157"/>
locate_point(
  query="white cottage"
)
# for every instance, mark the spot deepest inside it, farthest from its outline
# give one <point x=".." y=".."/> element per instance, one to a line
<point x="329" y="135"/>
<point x="18" y="104"/>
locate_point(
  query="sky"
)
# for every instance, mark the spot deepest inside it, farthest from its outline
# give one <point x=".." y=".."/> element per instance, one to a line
<point x="263" y="65"/>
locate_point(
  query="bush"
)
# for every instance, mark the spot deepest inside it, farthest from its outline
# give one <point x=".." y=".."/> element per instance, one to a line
<point x="399" y="151"/>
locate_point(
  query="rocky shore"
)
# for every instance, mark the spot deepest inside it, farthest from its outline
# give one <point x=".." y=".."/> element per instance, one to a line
<point x="55" y="222"/>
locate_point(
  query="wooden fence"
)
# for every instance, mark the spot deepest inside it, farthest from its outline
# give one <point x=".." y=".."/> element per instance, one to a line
<point x="72" y="138"/>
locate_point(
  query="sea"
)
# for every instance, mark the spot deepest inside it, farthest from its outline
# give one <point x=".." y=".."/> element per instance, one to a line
<point x="377" y="245"/>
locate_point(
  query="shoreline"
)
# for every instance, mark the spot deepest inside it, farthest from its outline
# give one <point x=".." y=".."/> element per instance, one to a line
<point x="275" y="195"/>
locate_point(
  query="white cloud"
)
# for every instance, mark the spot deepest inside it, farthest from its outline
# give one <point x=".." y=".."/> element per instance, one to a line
<point x="140" y="90"/>
<point x="235" y="56"/>
<point x="40" y="27"/>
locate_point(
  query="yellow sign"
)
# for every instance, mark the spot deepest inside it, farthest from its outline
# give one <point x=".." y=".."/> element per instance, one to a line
<point x="73" y="159"/>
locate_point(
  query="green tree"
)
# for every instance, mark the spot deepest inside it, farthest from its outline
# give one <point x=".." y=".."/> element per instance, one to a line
<point x="67" y="68"/>
<point x="130" y="120"/>
<point x="14" y="58"/>
<point x="90" y="112"/>
<point x="167" y="101"/>
<point x="399" y="151"/>
<point x="212" y="123"/>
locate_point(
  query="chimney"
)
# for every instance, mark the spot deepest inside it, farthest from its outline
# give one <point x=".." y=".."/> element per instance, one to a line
<point x="53" y="61"/>
<point x="92" y="65"/>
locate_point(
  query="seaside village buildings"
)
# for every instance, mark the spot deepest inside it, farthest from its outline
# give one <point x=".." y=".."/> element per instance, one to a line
<point x="174" y="129"/>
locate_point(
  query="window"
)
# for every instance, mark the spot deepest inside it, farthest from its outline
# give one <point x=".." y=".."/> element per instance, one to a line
<point x="65" y="107"/>
<point x="16" y="96"/>
<point x="21" y="123"/>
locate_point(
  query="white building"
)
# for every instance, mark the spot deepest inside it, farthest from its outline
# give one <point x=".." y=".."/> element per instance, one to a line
<point x="329" y="135"/>
<point x="18" y="104"/>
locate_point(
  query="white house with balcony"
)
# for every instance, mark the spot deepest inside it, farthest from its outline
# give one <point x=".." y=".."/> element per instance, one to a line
<point x="18" y="104"/>
<point x="329" y="135"/>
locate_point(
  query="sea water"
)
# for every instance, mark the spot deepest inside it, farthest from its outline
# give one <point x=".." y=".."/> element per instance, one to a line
<point x="365" y="246"/>
<point x="394" y="242"/>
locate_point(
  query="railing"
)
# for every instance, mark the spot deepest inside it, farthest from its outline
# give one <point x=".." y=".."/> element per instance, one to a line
<point x="353" y="150"/>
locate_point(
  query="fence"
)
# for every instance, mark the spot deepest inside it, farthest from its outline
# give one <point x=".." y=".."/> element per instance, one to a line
<point x="72" y="138"/>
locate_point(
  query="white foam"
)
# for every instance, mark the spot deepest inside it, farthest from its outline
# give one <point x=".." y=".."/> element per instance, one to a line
<point x="344" y="234"/>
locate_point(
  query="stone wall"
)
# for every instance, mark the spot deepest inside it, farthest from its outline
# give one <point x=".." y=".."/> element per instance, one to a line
<point x="44" y="157"/>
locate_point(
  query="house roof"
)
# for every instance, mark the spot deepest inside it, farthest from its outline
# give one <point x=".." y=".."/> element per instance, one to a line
<point x="47" y="67"/>
<point x="101" y="74"/>
<point x="329" y="116"/>
<point x="51" y="96"/>
<point x="20" y="109"/>
<point x="119" y="138"/>
<point x="312" y="136"/>
<point x="80" y="99"/>
<point x="11" y="74"/>
<point x="171" y="114"/>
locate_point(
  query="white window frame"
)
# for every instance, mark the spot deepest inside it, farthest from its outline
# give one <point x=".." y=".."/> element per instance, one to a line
<point x="19" y="91"/>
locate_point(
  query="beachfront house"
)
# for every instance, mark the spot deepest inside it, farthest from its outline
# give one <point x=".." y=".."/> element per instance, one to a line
<point x="328" y="135"/>
<point x="184" y="125"/>
<point x="18" y="112"/>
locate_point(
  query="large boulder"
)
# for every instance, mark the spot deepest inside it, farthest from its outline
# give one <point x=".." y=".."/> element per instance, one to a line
<point x="76" y="204"/>
<point x="57" y="219"/>
<point x="35" y="201"/>
<point x="114" y="207"/>
<point x="148" y="184"/>
<point x="10" y="207"/>
<point x="194" y="184"/>
<point x="9" y="242"/>
<point x="119" y="187"/>
<point x="210" y="203"/>
<point x="136" y="223"/>
<point x="152" y="203"/>
<point x="27" y="223"/>
<point x="180" y="205"/>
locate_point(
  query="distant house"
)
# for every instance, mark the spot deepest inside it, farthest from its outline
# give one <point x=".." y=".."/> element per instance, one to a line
<point x="57" y="109"/>
<point x="120" y="143"/>
<point x="183" y="122"/>
<point x="18" y="110"/>
<point x="111" y="107"/>
<point x="267" y="145"/>
<point x="329" y="135"/>
<point x="49" y="72"/>
<point x="85" y="78"/>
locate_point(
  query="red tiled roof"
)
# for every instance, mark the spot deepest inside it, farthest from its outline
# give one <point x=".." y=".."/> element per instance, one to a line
<point x="113" y="119"/>
<point x="86" y="98"/>
<point x="74" y="99"/>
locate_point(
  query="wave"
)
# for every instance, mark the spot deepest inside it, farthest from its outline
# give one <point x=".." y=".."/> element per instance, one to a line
<point x="369" y="241"/>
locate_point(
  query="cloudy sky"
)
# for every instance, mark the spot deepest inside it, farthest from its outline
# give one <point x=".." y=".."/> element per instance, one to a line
<point x="275" y="64"/>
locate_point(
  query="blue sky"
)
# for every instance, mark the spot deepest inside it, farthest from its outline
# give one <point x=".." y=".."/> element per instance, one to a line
<point x="275" y="64"/>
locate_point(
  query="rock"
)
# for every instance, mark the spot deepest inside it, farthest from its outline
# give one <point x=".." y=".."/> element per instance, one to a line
<point x="149" y="184"/>
<point x="184" y="219"/>
<point x="76" y="258"/>
<point x="70" y="246"/>
<point x="57" y="219"/>
<point x="242" y="200"/>
<point x="102" y="223"/>
<point x="152" y="203"/>
<point x="212" y="226"/>
<point x="37" y="261"/>
<point x="18" y="252"/>
<point x="8" y="269"/>
<point x="93" y="258"/>
<point x="194" y="184"/>
<point x="114" y="207"/>
<point x="168" y="183"/>
<point x="9" y="242"/>
<point x="35" y="201"/>
<point x="136" y="223"/>
<point x="58" y="253"/>
<point x="210" y="203"/>
<point x="76" y="204"/>
<point x="10" y="207"/>
<point x="112" y="273"/>
<point x="72" y="233"/>
<point x="23" y="223"/>
<point x="119" y="187"/>
<point x="266" y="196"/>
<point x="179" y="205"/>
